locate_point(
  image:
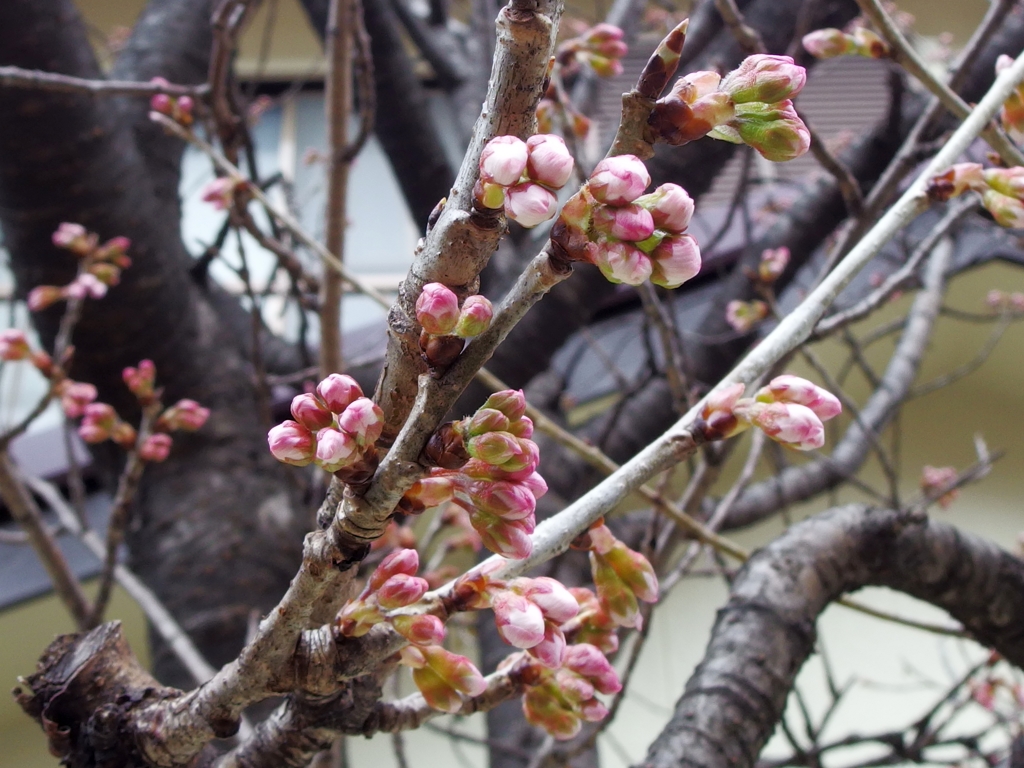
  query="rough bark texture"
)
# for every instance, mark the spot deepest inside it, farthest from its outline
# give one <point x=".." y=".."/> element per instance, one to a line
<point x="766" y="631"/>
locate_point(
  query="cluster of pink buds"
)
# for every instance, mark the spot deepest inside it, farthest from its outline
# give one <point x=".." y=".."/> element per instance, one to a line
<point x="750" y="105"/>
<point x="392" y="585"/>
<point x="335" y="428"/>
<point x="560" y="700"/>
<point x="601" y="48"/>
<point x="14" y="346"/>
<point x="1002" y="301"/>
<point x="630" y="236"/>
<point x="446" y="325"/>
<point x="937" y="483"/>
<point x="487" y="464"/>
<point x="1012" y="113"/>
<point x="99" y="266"/>
<point x="742" y="316"/>
<point x="521" y="176"/>
<point x="442" y="677"/>
<point x="1001" y="189"/>
<point x="789" y="410"/>
<point x="621" y="576"/>
<point x="178" y="108"/>
<point x="860" y="41"/>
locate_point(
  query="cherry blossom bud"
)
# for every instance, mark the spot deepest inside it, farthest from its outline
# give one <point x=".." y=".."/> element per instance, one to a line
<point x="520" y="622"/>
<point x="98" y="421"/>
<point x="1008" y="181"/>
<point x="503" y="160"/>
<point x="828" y="43"/>
<point x="13" y="345"/>
<point x="507" y="500"/>
<point x="553" y="599"/>
<point x="773" y="264"/>
<point x="635" y="571"/>
<point x="405" y="561"/>
<point x="1007" y="211"/>
<point x="869" y="44"/>
<point x="766" y="78"/>
<point x="219" y="192"/>
<point x="776" y="131"/>
<point x="292" y="443"/>
<point x="437" y="309"/>
<point x="183" y="112"/>
<point x="334" y="449"/>
<point x="629" y="222"/>
<point x="429" y="492"/>
<point x="616" y="598"/>
<point x="522" y="428"/>
<point x="487" y="420"/>
<point x="155" y="448"/>
<point x="619" y="180"/>
<point x="474" y="318"/>
<point x="493" y="447"/>
<point x="140" y="380"/>
<point x="793" y="389"/>
<point x="310" y="412"/>
<point x="161" y="103"/>
<point x="742" y="316"/>
<point x="535" y="484"/>
<point x="542" y="710"/>
<point x="671" y="207"/>
<point x="593" y="711"/>
<point x="84" y="286"/>
<point x="530" y="204"/>
<point x="74" y="237"/>
<point x="74" y="396"/>
<point x="107" y="274"/>
<point x="114" y="251"/>
<point x="511" y="402"/>
<point x="623" y="263"/>
<point x="956" y="180"/>
<point x="338" y="391"/>
<point x="586" y="660"/>
<point x="603" y="32"/>
<point x="549" y="160"/>
<point x="186" y="415"/>
<point x="457" y="671"/>
<point x="421" y="630"/>
<point x="675" y="260"/>
<point x="363" y="420"/>
<point x="525" y="461"/>
<point x="789" y="423"/>
<point x="935" y="480"/>
<point x="43" y="296"/>
<point x="508" y="538"/>
<point x="401" y="590"/>
<point x="550" y="651"/>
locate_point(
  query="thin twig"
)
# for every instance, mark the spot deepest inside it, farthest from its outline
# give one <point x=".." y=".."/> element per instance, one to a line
<point x="16" y="77"/>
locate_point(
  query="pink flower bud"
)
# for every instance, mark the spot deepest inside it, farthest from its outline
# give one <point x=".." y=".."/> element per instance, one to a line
<point x="84" y="286"/>
<point x="310" y="412"/>
<point x="437" y="309"/>
<point x="615" y="596"/>
<point x="401" y="561"/>
<point x="432" y="491"/>
<point x="487" y="420"/>
<point x="586" y="660"/>
<point x="186" y="415"/>
<point x="13" y="345"/>
<point x="766" y="78"/>
<point x="363" y="420"/>
<point x="773" y="263"/>
<point x="155" y="448"/>
<point x="292" y="443"/>
<point x="635" y="571"/>
<point x="550" y="651"/>
<point x="619" y="180"/>
<point x="107" y="274"/>
<point x="161" y="103"/>
<point x="74" y="237"/>
<point x="508" y="538"/>
<point x="401" y="590"/>
<point x="114" y="252"/>
<point x="937" y="479"/>
<point x="183" y="111"/>
<point x="553" y="599"/>
<point x="629" y="222"/>
<point x="522" y="428"/>
<point x="503" y="160"/>
<point x="530" y="204"/>
<point x="789" y="423"/>
<point x="742" y="316"/>
<point x="338" y="391"/>
<point x="220" y="192"/>
<point x="670" y="206"/>
<point x="593" y="711"/>
<point x="1008" y="181"/>
<point x="549" y="160"/>
<point x="140" y="380"/>
<point x="493" y="447"/>
<point x="511" y="402"/>
<point x="793" y="389"/>
<point x="74" y="396"/>
<point x="542" y="709"/>
<point x="504" y="499"/>
<point x="98" y="421"/>
<point x="828" y="43"/>
<point x="675" y="260"/>
<point x="520" y="622"/>
<point x="474" y="318"/>
<point x="603" y="32"/>
<point x="421" y="630"/>
<point x="535" y="484"/>
<point x="623" y="263"/>
<point x="775" y="130"/>
<point x="334" y="449"/>
<point x="1007" y="211"/>
<point x="43" y="296"/>
<point x="457" y="671"/>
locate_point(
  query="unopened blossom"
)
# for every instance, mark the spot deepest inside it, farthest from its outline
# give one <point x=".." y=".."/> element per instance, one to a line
<point x="114" y="252"/>
<point x="334" y="449"/>
<point x="186" y="415"/>
<point x="86" y="285"/>
<point x="107" y="274"/>
<point x="506" y="537"/>
<point x="621" y="576"/>
<point x="338" y="391"/>
<point x="828" y="43"/>
<point x="292" y="443"/>
<point x="675" y="260"/>
<point x="310" y="412"/>
<point x="401" y="590"/>
<point x="510" y="402"/>
<point x="742" y="316"/>
<point x="670" y="206"/>
<point x="717" y="414"/>
<point x="938" y="482"/>
<point x="1012" y="113"/>
<point x="765" y="78"/>
<point x="140" y="380"/>
<point x="442" y="675"/>
<point x="1007" y="211"/>
<point x="1008" y="181"/>
<point x="550" y="595"/>
<point x="623" y="263"/>
<point x="74" y="238"/>
<point x="520" y="622"/>
<point x="503" y="160"/>
<point x="74" y="396"/>
<point x="437" y="309"/>
<point x="788" y="423"/>
<point x="155" y="448"/>
<point x="426" y="493"/>
<point x="422" y="629"/>
<point x="401" y="561"/>
<point x="43" y="296"/>
<point x="530" y="204"/>
<point x="548" y="161"/>
<point x="628" y="222"/>
<point x="773" y="264"/>
<point x="794" y="389"/>
<point x="220" y="192"/>
<point x="774" y="130"/>
<point x="474" y="317"/>
<point x="13" y="345"/>
<point x="98" y="422"/>
<point x="619" y="180"/>
<point x="363" y="419"/>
